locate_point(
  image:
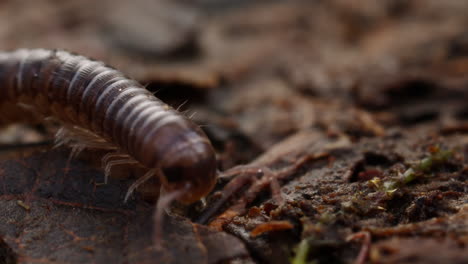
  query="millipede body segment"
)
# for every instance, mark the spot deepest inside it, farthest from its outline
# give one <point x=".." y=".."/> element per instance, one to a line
<point x="95" y="99"/>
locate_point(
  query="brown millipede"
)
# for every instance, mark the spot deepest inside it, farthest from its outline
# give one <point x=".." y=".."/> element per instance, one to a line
<point x="100" y="108"/>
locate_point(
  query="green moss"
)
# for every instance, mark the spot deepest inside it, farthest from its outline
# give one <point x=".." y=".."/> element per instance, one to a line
<point x="426" y="165"/>
<point x="408" y="176"/>
<point x="436" y="158"/>
<point x="301" y="253"/>
<point x="419" y="170"/>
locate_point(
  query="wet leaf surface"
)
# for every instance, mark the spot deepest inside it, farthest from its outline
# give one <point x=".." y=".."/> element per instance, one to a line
<point x="57" y="210"/>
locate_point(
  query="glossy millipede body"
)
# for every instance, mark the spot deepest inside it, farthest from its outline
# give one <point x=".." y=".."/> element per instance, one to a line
<point x="99" y="107"/>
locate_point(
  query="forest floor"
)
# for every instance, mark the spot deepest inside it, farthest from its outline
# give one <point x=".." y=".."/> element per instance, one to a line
<point x="350" y="119"/>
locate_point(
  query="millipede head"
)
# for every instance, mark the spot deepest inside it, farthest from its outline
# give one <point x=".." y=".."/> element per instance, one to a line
<point x="192" y="169"/>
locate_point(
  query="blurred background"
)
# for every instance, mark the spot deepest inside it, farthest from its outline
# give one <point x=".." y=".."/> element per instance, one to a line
<point x="207" y="40"/>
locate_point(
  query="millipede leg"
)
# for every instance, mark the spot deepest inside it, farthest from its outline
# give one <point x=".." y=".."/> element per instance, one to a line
<point x="110" y="164"/>
<point x="80" y="139"/>
<point x="112" y="155"/>
<point x="139" y="182"/>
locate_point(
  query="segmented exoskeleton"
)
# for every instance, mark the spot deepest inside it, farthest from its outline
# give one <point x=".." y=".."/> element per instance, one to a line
<point x="100" y="108"/>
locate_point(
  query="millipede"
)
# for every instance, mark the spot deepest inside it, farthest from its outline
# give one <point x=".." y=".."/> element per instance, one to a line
<point x="98" y="107"/>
